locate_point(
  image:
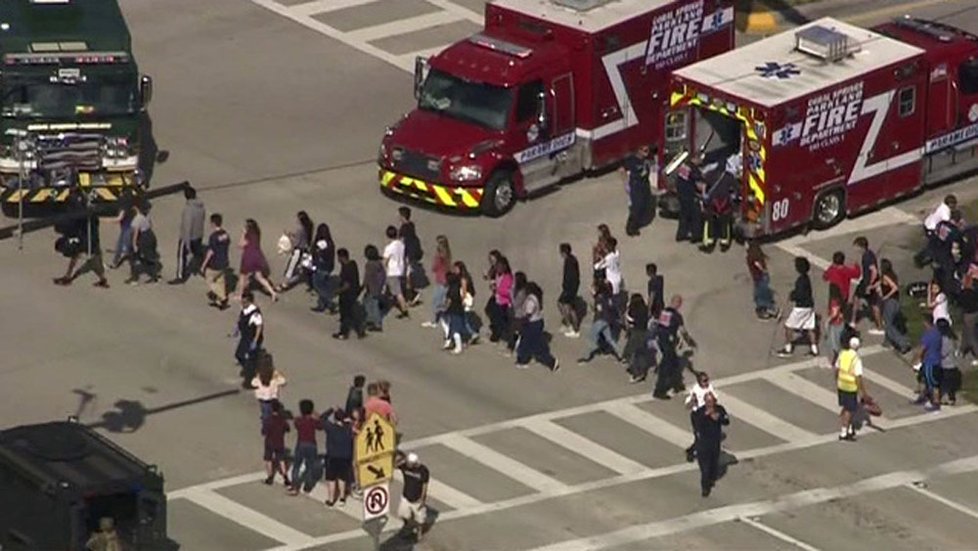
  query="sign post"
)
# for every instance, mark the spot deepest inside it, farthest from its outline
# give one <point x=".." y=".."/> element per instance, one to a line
<point x="375" y="469"/>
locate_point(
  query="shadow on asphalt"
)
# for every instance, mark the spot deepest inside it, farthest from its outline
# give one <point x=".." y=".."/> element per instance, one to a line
<point x="130" y="415"/>
<point x="402" y="541"/>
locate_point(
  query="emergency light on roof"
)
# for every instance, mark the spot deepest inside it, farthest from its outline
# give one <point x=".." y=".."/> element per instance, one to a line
<point x="582" y="5"/>
<point x="824" y="43"/>
<point x="926" y="27"/>
<point x="62" y="57"/>
<point x="502" y="46"/>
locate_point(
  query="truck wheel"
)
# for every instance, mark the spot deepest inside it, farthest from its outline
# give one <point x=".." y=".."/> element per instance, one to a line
<point x="499" y="196"/>
<point x="830" y="209"/>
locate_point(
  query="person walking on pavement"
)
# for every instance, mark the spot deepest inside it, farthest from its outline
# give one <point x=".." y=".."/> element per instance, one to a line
<point x="374" y="279"/>
<point x="441" y="264"/>
<point x="250" y="331"/>
<point x="273" y="429"/>
<point x="502" y="288"/>
<point x="968" y="301"/>
<point x="190" y="247"/>
<point x="532" y="342"/>
<point x="339" y="455"/>
<point x="835" y="324"/>
<point x="637" y="352"/>
<point x="453" y="316"/>
<point x="670" y="334"/>
<point x="413" y="253"/>
<point x="396" y="268"/>
<point x="306" y="454"/>
<point x="267" y="383"/>
<point x="695" y="402"/>
<point x="709" y="424"/>
<point x="300" y="258"/>
<point x="611" y="265"/>
<point x="895" y="333"/>
<point x="764" y="306"/>
<point x="950" y="374"/>
<point x="636" y="171"/>
<point x="868" y="288"/>
<point x="82" y="238"/>
<point x="254" y="265"/>
<point x="802" y="314"/>
<point x="655" y="290"/>
<point x="929" y="366"/>
<point x="688" y="190"/>
<point x="145" y="258"/>
<point x="570" y="284"/>
<point x="354" y="396"/>
<point x="349" y="291"/>
<point x="842" y="276"/>
<point x="216" y="263"/>
<point x="851" y="388"/>
<point x="323" y="264"/>
<point x="123" y="245"/>
<point x="605" y="317"/>
<point x="518" y="317"/>
<point x="413" y="509"/>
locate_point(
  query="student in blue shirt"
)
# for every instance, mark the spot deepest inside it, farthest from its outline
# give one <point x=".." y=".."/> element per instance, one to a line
<point x="930" y="366"/>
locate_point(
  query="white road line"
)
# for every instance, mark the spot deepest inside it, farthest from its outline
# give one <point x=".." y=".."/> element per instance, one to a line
<point x="507" y="466"/>
<point x="403" y="26"/>
<point x="763" y="420"/>
<point x="218" y="484"/>
<point x="806" y="390"/>
<point x="461" y="11"/>
<point x="446" y="494"/>
<point x="325" y="6"/>
<point x="651" y="424"/>
<point x="876" y="378"/>
<point x="352" y="509"/>
<point x="720" y="515"/>
<point x="777" y="533"/>
<point x="788" y="368"/>
<point x="582" y="446"/>
<point x="647" y="475"/>
<point x="249" y="518"/>
<point x="333" y="33"/>
<point x="949" y="502"/>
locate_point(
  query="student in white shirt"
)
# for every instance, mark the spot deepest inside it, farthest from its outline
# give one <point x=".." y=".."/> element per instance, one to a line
<point x="395" y="265"/>
<point x="941" y="214"/>
<point x="695" y="400"/>
<point x="611" y="264"/>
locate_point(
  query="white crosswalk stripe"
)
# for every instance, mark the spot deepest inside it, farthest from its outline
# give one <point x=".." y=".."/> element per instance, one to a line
<point x="525" y="475"/>
<point x="764" y="420"/>
<point x="582" y="446"/>
<point x="310" y="15"/>
<point x="876" y="378"/>
<point x="246" y="517"/>
<point x="651" y="424"/>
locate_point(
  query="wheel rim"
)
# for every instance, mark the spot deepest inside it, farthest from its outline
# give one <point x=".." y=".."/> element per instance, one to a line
<point x="504" y="195"/>
<point x="829" y="207"/>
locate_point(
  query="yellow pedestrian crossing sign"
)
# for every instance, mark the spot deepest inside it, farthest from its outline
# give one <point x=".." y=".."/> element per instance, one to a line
<point x="376" y="438"/>
<point x="375" y="471"/>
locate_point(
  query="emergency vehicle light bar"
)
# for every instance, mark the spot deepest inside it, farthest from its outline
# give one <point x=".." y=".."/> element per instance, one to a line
<point x="52" y="58"/>
<point x="825" y="43"/>
<point x="502" y="46"/>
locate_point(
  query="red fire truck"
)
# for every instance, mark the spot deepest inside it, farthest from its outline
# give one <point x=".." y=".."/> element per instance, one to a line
<point x="548" y="90"/>
<point x="831" y="120"/>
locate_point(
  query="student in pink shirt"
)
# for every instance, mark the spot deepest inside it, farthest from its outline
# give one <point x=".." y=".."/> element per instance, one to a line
<point x="503" y="293"/>
<point x="440" y="265"/>
<point x="376" y="404"/>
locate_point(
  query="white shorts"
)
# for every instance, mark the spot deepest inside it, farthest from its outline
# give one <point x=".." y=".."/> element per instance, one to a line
<point x="416" y="512"/>
<point x="801" y="319"/>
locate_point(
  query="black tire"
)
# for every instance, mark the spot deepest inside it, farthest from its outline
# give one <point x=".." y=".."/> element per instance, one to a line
<point x="829" y="209"/>
<point x="500" y="194"/>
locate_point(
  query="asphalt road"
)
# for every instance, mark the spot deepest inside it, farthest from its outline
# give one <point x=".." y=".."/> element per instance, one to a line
<point x="271" y="108"/>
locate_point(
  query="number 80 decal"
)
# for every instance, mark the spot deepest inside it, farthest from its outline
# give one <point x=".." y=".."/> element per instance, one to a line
<point x="779" y="210"/>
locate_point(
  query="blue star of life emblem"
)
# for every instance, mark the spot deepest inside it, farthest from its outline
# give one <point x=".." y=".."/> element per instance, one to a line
<point x="773" y="69"/>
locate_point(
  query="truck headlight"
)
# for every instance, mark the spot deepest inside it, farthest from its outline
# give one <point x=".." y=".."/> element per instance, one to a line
<point x="397" y="154"/>
<point x="466" y="173"/>
<point x="117" y="147"/>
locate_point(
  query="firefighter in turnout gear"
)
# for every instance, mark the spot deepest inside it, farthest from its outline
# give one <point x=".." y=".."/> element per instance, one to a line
<point x="718" y="214"/>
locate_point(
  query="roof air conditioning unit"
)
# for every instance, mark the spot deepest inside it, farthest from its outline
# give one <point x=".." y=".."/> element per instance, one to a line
<point x="824" y="43"/>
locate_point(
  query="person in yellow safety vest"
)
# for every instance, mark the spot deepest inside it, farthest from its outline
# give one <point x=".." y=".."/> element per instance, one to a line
<point x="849" y="381"/>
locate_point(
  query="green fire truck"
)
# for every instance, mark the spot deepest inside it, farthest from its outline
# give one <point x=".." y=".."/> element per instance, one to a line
<point x="72" y="103"/>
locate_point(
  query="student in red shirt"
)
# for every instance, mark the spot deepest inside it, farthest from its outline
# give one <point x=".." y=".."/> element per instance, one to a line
<point x="377" y="404"/>
<point x="840" y="275"/>
<point x="274" y="428"/>
<point x="306" y="450"/>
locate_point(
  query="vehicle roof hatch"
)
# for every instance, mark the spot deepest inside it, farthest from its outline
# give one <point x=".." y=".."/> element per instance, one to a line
<point x="825" y="43"/>
<point x="582" y="5"/>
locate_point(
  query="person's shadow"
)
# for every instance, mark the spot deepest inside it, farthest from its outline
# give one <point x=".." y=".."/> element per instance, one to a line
<point x="404" y="541"/>
<point x="128" y="416"/>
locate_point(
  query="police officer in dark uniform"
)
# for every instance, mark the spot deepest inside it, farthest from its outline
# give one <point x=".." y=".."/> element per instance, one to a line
<point x="709" y="422"/>
<point x="688" y="180"/>
<point x="636" y="170"/>
<point x="670" y="332"/>
<point x="251" y="334"/>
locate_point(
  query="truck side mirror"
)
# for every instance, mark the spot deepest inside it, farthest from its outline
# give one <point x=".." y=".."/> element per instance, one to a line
<point x="145" y="90"/>
<point x="542" y="110"/>
<point x="420" y="73"/>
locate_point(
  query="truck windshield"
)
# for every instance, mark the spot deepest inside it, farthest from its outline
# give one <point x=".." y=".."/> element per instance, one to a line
<point x="474" y="102"/>
<point x="34" y="99"/>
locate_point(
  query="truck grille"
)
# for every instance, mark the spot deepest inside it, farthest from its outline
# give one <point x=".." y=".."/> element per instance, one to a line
<point x="418" y="165"/>
<point x="70" y="150"/>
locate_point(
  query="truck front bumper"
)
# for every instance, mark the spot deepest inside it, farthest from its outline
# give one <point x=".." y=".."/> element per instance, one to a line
<point x="104" y="188"/>
<point x="459" y="198"/>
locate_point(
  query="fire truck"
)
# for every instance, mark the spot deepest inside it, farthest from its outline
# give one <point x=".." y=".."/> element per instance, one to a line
<point x="71" y="102"/>
<point x="548" y="90"/>
<point x="831" y="120"/>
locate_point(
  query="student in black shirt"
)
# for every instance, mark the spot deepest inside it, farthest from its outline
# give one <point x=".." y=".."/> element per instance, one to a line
<point x="710" y="421"/>
<point x="655" y="290"/>
<point x="636" y="347"/>
<point x="802" y="315"/>
<point x="215" y="264"/>
<point x="81" y="237"/>
<point x="636" y="170"/>
<point x="569" y="289"/>
<point x="605" y="317"/>
<point x="413" y="509"/>
<point x="348" y="292"/>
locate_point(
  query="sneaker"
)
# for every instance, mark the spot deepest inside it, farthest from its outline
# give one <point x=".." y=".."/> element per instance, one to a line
<point x="556" y="366"/>
<point x="474" y="339"/>
<point x="583" y="360"/>
<point x="339" y="336"/>
<point x="785" y="352"/>
<point x="662" y="396"/>
<point x="103" y="284"/>
<point x="341" y="502"/>
<point x="875" y="331"/>
<point x="457" y="350"/>
<point x="573" y="334"/>
<point x="565" y="329"/>
<point x="429" y="325"/>
<point x="522" y="366"/>
<point x="447" y="346"/>
<point x="268" y="481"/>
<point x="931" y="407"/>
<point x="635" y="379"/>
<point x="62" y="281"/>
<point x="919" y="400"/>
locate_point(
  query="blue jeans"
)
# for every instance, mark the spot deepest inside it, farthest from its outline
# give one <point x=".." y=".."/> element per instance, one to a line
<point x="437" y="301"/>
<point x="763" y="297"/>
<point x="458" y="324"/>
<point x="306" y="454"/>
<point x="891" y="308"/>
<point x="323" y="283"/>
<point x="600" y="328"/>
<point x="371" y="304"/>
<point x="123" y="245"/>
